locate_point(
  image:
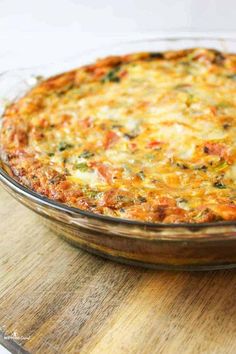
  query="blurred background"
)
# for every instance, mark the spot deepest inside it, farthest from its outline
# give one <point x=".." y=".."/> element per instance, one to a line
<point x="34" y="32"/>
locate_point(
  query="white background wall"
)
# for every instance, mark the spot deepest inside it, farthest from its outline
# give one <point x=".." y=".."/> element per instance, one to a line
<point x="38" y="31"/>
<point x="33" y="32"/>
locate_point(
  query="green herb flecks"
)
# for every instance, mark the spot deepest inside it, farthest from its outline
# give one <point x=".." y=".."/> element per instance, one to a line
<point x="181" y="165"/>
<point x="86" y="154"/>
<point x="219" y="185"/>
<point x="188" y="90"/>
<point x="203" y="168"/>
<point x="184" y="88"/>
<point x="226" y="126"/>
<point x="92" y="194"/>
<point x="182" y="203"/>
<point x="231" y="76"/>
<point x="191" y="56"/>
<point x="64" y="146"/>
<point x="222" y="166"/>
<point x="112" y="75"/>
<point x="141" y="175"/>
<point x="156" y="55"/>
<point x="150" y="157"/>
<point x="223" y="105"/>
<point x="142" y="199"/>
<point x="130" y="136"/>
<point x="124" y="200"/>
<point x="82" y="166"/>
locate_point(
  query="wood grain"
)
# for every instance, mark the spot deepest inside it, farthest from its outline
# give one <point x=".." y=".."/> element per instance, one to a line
<point x="57" y="299"/>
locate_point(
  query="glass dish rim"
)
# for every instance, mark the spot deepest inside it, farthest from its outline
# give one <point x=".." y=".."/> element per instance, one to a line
<point x="5" y="178"/>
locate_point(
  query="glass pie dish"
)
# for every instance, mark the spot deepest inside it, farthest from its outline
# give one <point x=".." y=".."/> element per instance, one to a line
<point x="170" y="246"/>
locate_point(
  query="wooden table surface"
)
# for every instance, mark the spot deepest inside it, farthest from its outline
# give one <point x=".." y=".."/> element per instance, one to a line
<point x="55" y="298"/>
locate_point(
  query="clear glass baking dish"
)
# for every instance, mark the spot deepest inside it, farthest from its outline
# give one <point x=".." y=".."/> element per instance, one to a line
<point x="169" y="246"/>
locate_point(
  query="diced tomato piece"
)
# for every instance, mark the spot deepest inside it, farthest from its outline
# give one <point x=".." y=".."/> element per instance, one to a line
<point x="99" y="72"/>
<point x="154" y="144"/>
<point x="103" y="170"/>
<point x="110" y="139"/>
<point x="44" y="123"/>
<point x="65" y="185"/>
<point x="226" y="211"/>
<point x="133" y="146"/>
<point x="65" y="118"/>
<point x="116" y="198"/>
<point x="166" y="201"/>
<point x="213" y="110"/>
<point x="86" y="123"/>
<point x="123" y="73"/>
<point x="216" y="149"/>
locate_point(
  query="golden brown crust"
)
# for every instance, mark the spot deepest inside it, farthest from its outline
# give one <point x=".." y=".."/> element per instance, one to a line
<point x="89" y="107"/>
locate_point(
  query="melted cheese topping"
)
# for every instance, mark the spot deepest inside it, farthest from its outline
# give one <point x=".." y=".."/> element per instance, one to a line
<point x="148" y="138"/>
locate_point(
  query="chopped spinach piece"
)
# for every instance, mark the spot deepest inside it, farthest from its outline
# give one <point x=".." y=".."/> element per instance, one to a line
<point x="142" y="199"/>
<point x="64" y="90"/>
<point x="219" y="58"/>
<point x="82" y="166"/>
<point x="232" y="76"/>
<point x="124" y="200"/>
<point x="116" y="126"/>
<point x="120" y="197"/>
<point x="223" y="105"/>
<point x="201" y="168"/>
<point x="64" y="146"/>
<point x="182" y="200"/>
<point x="183" y="88"/>
<point x="182" y="166"/>
<point x="130" y="136"/>
<point x="92" y="194"/>
<point x="219" y="185"/>
<point x="141" y="175"/>
<point x="112" y="75"/>
<point x="86" y="154"/>
<point x="39" y="78"/>
<point x="182" y="203"/>
<point x="226" y="126"/>
<point x="222" y="165"/>
<point x="56" y="179"/>
<point x="157" y="55"/>
<point x="150" y="156"/>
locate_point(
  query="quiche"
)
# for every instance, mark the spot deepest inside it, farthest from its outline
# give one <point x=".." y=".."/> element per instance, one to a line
<point x="145" y="136"/>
